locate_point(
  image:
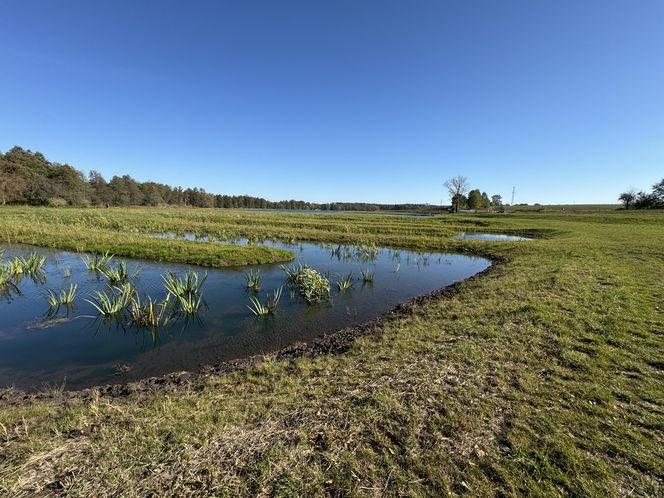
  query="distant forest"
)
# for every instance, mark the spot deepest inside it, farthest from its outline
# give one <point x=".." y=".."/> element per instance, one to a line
<point x="27" y="177"/>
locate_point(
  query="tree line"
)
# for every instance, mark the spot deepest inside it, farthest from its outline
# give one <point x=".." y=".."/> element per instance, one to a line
<point x="27" y="177"/>
<point x="654" y="199"/>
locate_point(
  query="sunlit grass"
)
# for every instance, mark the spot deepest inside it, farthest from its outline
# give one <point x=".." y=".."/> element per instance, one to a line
<point x="253" y="279"/>
<point x="97" y="262"/>
<point x="118" y="274"/>
<point x="346" y="282"/>
<point x="186" y="290"/>
<point x="270" y="306"/>
<point x="149" y="313"/>
<point x="112" y="302"/>
<point x="62" y="298"/>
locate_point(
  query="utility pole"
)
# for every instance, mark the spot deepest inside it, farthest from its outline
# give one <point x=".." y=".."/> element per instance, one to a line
<point x="512" y="203"/>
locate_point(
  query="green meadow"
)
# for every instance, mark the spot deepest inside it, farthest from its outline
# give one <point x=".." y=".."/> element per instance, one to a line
<point x="543" y="377"/>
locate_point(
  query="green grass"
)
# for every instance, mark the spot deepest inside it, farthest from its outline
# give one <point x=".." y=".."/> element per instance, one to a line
<point x="543" y="378"/>
<point x="125" y="232"/>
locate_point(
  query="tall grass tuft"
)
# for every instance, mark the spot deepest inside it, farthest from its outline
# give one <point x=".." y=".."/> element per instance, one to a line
<point x="253" y="279"/>
<point x="7" y="283"/>
<point x="346" y="282"/>
<point x="114" y="302"/>
<point x="62" y="298"/>
<point x="149" y="313"/>
<point x="97" y="262"/>
<point x="367" y="276"/>
<point x="32" y="264"/>
<point x="118" y="274"/>
<point x="313" y="286"/>
<point x="294" y="272"/>
<point x="270" y="306"/>
<point x="186" y="290"/>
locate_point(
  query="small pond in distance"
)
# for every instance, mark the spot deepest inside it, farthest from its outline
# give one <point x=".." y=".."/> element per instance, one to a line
<point x="78" y="348"/>
<point x="489" y="236"/>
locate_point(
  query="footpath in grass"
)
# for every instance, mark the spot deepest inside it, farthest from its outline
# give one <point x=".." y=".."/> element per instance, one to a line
<point x="544" y="378"/>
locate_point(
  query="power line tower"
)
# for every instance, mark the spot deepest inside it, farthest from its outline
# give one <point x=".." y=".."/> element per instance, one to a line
<point x="512" y="203"/>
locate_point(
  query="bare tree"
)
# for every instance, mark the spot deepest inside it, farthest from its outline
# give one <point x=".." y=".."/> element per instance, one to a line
<point x="457" y="188"/>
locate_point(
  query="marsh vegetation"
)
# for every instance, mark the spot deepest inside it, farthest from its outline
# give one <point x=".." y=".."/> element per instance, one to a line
<point x="542" y="378"/>
<point x="159" y="316"/>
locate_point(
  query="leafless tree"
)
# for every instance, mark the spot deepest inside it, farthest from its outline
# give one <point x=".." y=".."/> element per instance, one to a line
<point x="457" y="188"/>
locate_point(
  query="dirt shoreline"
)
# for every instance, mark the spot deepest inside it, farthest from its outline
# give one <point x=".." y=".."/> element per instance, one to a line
<point x="334" y="343"/>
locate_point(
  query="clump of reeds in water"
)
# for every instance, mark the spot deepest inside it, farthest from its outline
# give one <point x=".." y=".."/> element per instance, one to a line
<point x="113" y="302"/>
<point x="118" y="274"/>
<point x="12" y="271"/>
<point x="149" y="313"/>
<point x="270" y="306"/>
<point x="253" y="279"/>
<point x="313" y="286"/>
<point x="7" y="283"/>
<point x="186" y="291"/>
<point x="97" y="262"/>
<point x="367" y="276"/>
<point x="367" y="252"/>
<point x="346" y="282"/>
<point x="33" y="264"/>
<point x="62" y="298"/>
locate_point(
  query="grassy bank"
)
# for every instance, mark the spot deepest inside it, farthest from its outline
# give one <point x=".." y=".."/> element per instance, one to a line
<point x="546" y="377"/>
<point x="112" y="231"/>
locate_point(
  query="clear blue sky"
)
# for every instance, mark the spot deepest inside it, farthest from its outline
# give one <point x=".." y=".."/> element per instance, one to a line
<point x="343" y="100"/>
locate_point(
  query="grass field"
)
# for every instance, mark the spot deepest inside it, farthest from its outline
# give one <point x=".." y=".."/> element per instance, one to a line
<point x="544" y="377"/>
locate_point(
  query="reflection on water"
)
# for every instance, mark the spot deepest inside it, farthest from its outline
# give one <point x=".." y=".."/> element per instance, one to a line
<point x="73" y="344"/>
<point x="489" y="236"/>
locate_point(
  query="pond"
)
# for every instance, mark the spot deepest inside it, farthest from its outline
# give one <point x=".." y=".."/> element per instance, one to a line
<point x="73" y="345"/>
<point x="489" y="236"/>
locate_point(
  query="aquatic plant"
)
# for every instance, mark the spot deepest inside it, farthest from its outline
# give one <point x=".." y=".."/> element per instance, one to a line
<point x="62" y="298"/>
<point x="346" y="282"/>
<point x="113" y="302"/>
<point x="118" y="274"/>
<point x="7" y="284"/>
<point x="149" y="313"/>
<point x="270" y="306"/>
<point x="313" y="286"/>
<point x="97" y="262"/>
<point x="15" y="267"/>
<point x="186" y="290"/>
<point x="6" y="274"/>
<point x="189" y="304"/>
<point x="293" y="272"/>
<point x="367" y="252"/>
<point x="367" y="276"/>
<point x="253" y="279"/>
<point x="189" y="283"/>
<point x="32" y="264"/>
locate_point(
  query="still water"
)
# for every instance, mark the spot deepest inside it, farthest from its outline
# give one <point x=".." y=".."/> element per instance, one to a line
<point x="75" y="347"/>
<point x="489" y="236"/>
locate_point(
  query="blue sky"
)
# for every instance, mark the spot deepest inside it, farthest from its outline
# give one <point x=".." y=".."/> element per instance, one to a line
<point x="343" y="100"/>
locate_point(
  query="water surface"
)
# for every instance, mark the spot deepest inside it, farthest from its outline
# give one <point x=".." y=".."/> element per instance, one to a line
<point x="77" y="348"/>
<point x="489" y="236"/>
